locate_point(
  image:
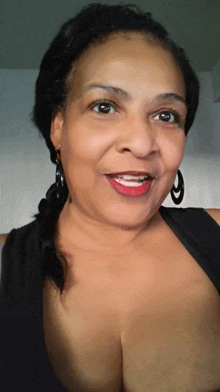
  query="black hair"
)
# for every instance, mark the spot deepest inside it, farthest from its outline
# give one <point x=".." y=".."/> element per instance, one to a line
<point x="94" y="23"/>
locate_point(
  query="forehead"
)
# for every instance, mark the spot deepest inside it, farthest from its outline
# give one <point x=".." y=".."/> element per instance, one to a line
<point x="134" y="60"/>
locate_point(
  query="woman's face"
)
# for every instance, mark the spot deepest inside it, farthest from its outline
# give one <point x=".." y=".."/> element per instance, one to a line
<point x="125" y="112"/>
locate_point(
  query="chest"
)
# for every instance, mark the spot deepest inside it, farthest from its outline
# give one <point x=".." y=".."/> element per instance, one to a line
<point x="148" y="324"/>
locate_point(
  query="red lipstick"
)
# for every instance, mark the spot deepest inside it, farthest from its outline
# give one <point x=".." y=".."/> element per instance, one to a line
<point x="130" y="191"/>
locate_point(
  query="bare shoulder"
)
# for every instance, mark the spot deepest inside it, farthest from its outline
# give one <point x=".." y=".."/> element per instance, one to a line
<point x="3" y="239"/>
<point x="215" y="214"/>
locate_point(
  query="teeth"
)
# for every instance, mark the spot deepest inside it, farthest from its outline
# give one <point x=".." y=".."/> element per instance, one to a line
<point x="128" y="183"/>
<point x="129" y="177"/>
<point x="129" y="180"/>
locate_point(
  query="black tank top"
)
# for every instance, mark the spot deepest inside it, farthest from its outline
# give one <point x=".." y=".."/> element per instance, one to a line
<point x="24" y="365"/>
<point x="200" y="234"/>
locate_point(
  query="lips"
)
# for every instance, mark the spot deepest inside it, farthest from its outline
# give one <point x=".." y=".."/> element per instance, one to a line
<point x="133" y="190"/>
<point x="132" y="183"/>
<point x="130" y="172"/>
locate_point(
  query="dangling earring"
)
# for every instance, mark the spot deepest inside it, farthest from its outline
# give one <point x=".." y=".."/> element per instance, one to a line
<point x="179" y="188"/>
<point x="59" y="175"/>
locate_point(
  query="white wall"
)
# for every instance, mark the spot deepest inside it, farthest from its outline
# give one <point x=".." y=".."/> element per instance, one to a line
<point x="26" y="171"/>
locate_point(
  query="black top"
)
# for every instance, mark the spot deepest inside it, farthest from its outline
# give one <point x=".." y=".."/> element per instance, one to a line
<point x="24" y="365"/>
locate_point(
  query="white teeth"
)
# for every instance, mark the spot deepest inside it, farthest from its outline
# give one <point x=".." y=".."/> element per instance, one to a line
<point x="130" y="180"/>
<point x="127" y="183"/>
<point x="129" y="177"/>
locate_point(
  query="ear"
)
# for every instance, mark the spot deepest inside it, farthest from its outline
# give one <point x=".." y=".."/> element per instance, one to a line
<point x="56" y="129"/>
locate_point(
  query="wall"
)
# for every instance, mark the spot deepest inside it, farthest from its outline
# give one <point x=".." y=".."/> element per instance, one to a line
<point x="26" y="170"/>
<point x="29" y="26"/>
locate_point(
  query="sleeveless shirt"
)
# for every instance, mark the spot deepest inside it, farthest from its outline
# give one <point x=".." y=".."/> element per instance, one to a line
<point x="24" y="364"/>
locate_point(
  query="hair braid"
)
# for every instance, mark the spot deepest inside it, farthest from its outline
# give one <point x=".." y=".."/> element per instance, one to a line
<point x="49" y="210"/>
<point x="93" y="24"/>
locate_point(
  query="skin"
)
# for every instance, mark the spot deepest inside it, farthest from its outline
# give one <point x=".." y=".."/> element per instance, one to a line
<point x="132" y="136"/>
<point x="115" y="245"/>
<point x="134" y="140"/>
<point x="104" y="313"/>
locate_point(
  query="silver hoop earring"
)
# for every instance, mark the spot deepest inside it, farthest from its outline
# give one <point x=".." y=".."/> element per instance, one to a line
<point x="177" y="189"/>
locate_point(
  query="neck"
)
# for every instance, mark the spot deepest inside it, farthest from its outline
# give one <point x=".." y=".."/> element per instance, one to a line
<point x="77" y="231"/>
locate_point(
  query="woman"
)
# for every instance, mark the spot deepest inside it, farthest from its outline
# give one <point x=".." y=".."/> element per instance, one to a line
<point x="126" y="291"/>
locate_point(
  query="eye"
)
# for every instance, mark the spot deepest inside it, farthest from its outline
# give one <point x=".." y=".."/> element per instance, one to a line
<point x="167" y="116"/>
<point x="104" y="108"/>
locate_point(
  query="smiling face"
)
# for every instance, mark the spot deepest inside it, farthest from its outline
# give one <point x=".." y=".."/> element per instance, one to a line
<point x="125" y="112"/>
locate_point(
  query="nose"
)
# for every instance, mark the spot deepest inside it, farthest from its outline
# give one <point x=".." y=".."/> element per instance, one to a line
<point x="139" y="137"/>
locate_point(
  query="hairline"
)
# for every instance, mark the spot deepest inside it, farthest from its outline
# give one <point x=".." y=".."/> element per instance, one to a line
<point x="149" y="36"/>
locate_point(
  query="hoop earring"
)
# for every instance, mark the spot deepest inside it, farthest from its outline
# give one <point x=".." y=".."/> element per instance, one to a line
<point x="59" y="175"/>
<point x="179" y="188"/>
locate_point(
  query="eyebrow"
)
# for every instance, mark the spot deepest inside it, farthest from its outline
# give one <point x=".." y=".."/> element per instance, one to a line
<point x="112" y="89"/>
<point x="171" y="97"/>
<point x="125" y="95"/>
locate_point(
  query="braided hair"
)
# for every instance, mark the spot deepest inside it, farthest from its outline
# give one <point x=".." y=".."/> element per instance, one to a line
<point x="93" y="24"/>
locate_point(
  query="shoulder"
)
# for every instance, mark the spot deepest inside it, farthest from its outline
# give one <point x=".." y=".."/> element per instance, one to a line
<point x="21" y="233"/>
<point x="214" y="213"/>
<point x="3" y="239"/>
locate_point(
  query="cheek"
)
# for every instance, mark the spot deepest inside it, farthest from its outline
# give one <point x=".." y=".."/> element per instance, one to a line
<point x="173" y="151"/>
<point x="85" y="143"/>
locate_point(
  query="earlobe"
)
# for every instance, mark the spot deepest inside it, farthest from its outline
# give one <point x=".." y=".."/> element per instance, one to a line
<point x="56" y="129"/>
